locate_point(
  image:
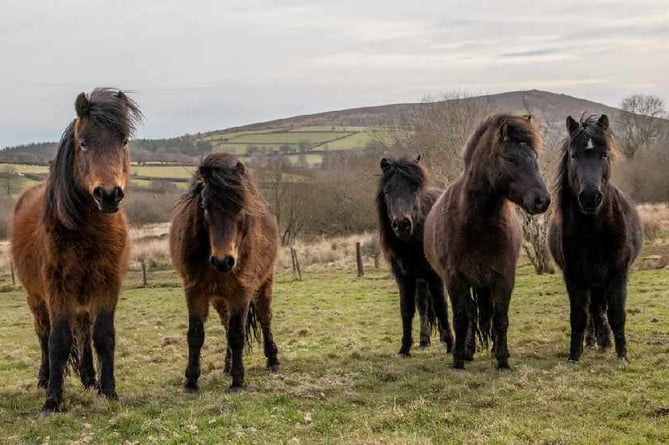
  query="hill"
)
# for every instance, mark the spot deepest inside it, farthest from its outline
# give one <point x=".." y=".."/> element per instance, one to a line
<point x="306" y="139"/>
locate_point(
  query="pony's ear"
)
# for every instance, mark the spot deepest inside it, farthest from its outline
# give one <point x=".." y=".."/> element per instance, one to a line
<point x="239" y="168"/>
<point x="385" y="164"/>
<point x="205" y="171"/>
<point x="504" y="131"/>
<point x="418" y="158"/>
<point x="603" y="121"/>
<point x="572" y="125"/>
<point x="81" y="105"/>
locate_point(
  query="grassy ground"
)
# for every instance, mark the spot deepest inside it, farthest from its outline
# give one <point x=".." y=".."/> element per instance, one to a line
<point x="341" y="381"/>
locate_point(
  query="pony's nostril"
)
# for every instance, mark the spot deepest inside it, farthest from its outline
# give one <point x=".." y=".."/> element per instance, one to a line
<point x="213" y="261"/>
<point x="542" y="202"/>
<point x="228" y="262"/>
<point x="598" y="197"/>
<point x="118" y="194"/>
<point x="98" y="193"/>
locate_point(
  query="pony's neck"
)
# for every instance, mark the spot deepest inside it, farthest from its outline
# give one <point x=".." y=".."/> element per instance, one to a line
<point x="480" y="197"/>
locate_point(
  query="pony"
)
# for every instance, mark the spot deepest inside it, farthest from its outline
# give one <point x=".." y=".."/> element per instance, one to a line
<point x="594" y="236"/>
<point x="403" y="199"/>
<point x="70" y="244"/>
<point x="224" y="243"/>
<point x="472" y="234"/>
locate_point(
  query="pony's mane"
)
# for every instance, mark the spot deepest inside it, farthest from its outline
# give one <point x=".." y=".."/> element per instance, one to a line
<point x="588" y="128"/>
<point x="231" y="191"/>
<point x="518" y="128"/>
<point x="409" y="169"/>
<point x="107" y="107"/>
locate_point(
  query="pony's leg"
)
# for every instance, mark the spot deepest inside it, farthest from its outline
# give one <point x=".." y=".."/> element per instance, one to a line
<point x="264" y="311"/>
<point x="458" y="291"/>
<point x="501" y="298"/>
<point x="590" y="329"/>
<point x="222" y="309"/>
<point x="407" y="287"/>
<point x="602" y="332"/>
<point x="42" y="328"/>
<point x="104" y="340"/>
<point x="60" y="345"/>
<point x="578" y="318"/>
<point x="617" y="295"/>
<point x="198" y="308"/>
<point x="438" y="300"/>
<point x="424" y="312"/>
<point x="238" y="314"/>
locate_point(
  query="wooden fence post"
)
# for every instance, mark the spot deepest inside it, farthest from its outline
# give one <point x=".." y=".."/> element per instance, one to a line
<point x="11" y="268"/>
<point x="143" y="263"/>
<point x="297" y="273"/>
<point x="358" y="259"/>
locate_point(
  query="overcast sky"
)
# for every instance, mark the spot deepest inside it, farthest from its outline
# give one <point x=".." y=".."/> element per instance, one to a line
<point x="204" y="65"/>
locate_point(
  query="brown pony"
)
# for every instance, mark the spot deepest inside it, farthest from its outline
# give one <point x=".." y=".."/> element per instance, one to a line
<point x="223" y="242"/>
<point x="472" y="235"/>
<point x="70" y="243"/>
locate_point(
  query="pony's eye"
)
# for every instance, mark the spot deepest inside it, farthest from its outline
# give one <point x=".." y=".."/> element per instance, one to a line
<point x="82" y="143"/>
<point x="603" y="155"/>
<point x="125" y="141"/>
<point x="574" y="156"/>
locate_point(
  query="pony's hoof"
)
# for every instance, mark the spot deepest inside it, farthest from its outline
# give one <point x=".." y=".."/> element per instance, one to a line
<point x="403" y="354"/>
<point x="235" y="389"/>
<point x="49" y="408"/>
<point x="43" y="383"/>
<point x="423" y="346"/>
<point x="469" y="358"/>
<point x="572" y="360"/>
<point x="458" y="364"/>
<point x="504" y="366"/>
<point x="191" y="388"/>
<point x="274" y="368"/>
<point x="91" y="385"/>
<point x="623" y="358"/>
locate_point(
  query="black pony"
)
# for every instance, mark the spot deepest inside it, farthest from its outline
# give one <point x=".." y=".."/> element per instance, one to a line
<point x="595" y="234"/>
<point x="402" y="201"/>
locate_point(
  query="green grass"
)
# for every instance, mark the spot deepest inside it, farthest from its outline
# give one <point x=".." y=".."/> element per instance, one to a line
<point x="163" y="171"/>
<point x="289" y="137"/>
<point x="341" y="381"/>
<point x="25" y="168"/>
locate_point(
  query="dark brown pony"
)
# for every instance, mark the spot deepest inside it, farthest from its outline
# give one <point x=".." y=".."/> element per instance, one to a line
<point x="595" y="235"/>
<point x="223" y="242"/>
<point x="70" y="243"/>
<point x="472" y="235"/>
<point x="402" y="202"/>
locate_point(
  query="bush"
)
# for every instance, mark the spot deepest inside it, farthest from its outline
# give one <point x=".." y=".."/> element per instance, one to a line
<point x="7" y="206"/>
<point x="150" y="208"/>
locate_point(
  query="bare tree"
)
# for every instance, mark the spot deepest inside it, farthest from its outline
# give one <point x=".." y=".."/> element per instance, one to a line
<point x="10" y="182"/>
<point x="438" y="131"/>
<point x="640" y="123"/>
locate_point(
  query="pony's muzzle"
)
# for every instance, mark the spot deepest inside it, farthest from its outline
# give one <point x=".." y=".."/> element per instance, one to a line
<point x="402" y="227"/>
<point x="108" y="199"/>
<point x="225" y="264"/>
<point x="590" y="200"/>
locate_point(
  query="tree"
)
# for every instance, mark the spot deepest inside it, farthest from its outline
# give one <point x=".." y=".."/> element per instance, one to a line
<point x="640" y="123"/>
<point x="10" y="181"/>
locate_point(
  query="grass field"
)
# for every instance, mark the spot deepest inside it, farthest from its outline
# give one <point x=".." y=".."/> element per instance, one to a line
<point x="341" y="381"/>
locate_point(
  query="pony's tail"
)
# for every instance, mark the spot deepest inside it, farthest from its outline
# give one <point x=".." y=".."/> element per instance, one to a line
<point x="482" y="318"/>
<point x="75" y="358"/>
<point x="251" y="326"/>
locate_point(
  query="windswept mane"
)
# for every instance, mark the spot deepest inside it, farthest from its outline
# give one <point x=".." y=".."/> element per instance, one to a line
<point x="518" y="128"/>
<point x="409" y="169"/>
<point x="230" y="187"/>
<point x="106" y="107"/>
<point x="588" y="129"/>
